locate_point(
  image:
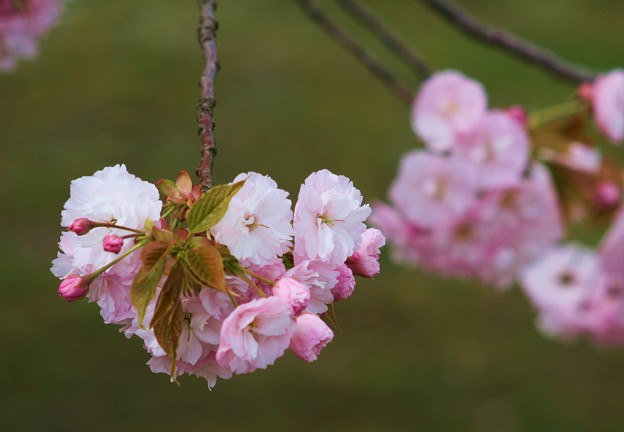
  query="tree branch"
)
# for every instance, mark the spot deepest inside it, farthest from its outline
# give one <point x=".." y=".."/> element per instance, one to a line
<point x="508" y="42"/>
<point x="311" y="9"/>
<point x="392" y="42"/>
<point x="206" y="34"/>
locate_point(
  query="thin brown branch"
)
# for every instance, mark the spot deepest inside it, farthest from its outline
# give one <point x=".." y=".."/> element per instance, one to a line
<point x="509" y="42"/>
<point x="373" y="65"/>
<point x="207" y="39"/>
<point x="386" y="36"/>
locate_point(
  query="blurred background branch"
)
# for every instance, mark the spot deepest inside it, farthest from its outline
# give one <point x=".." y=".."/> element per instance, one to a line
<point x="316" y="14"/>
<point x="508" y="42"/>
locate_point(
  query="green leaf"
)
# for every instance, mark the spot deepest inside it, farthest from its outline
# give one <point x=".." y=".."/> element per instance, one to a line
<point x="169" y="315"/>
<point x="211" y="207"/>
<point x="205" y="263"/>
<point x="154" y="256"/>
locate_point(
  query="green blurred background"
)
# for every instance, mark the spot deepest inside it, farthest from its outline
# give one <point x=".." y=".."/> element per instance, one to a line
<point x="116" y="81"/>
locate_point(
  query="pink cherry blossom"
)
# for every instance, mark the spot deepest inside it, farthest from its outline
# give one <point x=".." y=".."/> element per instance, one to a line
<point x="112" y="294"/>
<point x="21" y="24"/>
<point x="111" y="194"/>
<point x="612" y="247"/>
<point x="295" y="293"/>
<point x="608" y="104"/>
<point x="605" y="311"/>
<point x="448" y="107"/>
<point x="329" y="218"/>
<point x="257" y="226"/>
<point x="310" y="337"/>
<point x="560" y="286"/>
<point x="320" y="277"/>
<point x="499" y="149"/>
<point x="365" y="260"/>
<point x="581" y="157"/>
<point x="432" y="190"/>
<point x="255" y="334"/>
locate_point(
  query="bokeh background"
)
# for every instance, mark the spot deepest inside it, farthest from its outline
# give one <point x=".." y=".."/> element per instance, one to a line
<point x="116" y="81"/>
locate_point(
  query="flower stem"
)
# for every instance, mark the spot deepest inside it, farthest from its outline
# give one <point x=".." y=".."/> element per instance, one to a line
<point x="566" y="109"/>
<point x="98" y="272"/>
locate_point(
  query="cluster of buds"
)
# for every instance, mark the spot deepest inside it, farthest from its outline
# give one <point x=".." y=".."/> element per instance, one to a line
<point x="493" y="192"/>
<point x="22" y="22"/>
<point x="221" y="282"/>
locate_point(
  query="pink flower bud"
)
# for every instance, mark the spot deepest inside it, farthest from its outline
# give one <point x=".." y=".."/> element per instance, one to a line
<point x="73" y="287"/>
<point x="518" y="113"/>
<point x="586" y="92"/>
<point x="81" y="226"/>
<point x="310" y="337"/>
<point x="113" y="243"/>
<point x="295" y="293"/>
<point x="365" y="260"/>
<point x="607" y="194"/>
<point x="345" y="285"/>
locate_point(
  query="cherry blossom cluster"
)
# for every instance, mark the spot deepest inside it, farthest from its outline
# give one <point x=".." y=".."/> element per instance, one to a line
<point x="580" y="292"/>
<point x="493" y="192"/>
<point x="470" y="204"/>
<point x="22" y="22"/>
<point x="233" y="273"/>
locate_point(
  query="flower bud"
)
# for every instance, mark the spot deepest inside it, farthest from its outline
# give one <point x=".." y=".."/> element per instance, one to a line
<point x="81" y="226"/>
<point x="310" y="337"/>
<point x="607" y="194"/>
<point x="586" y="92"/>
<point x="295" y="293"/>
<point x="113" y="243"/>
<point x="346" y="283"/>
<point x="73" y="287"/>
<point x="365" y="260"/>
<point x="518" y="113"/>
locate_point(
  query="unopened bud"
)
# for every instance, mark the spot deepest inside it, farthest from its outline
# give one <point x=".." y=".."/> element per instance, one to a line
<point x="294" y="292"/>
<point x="73" y="287"/>
<point x="607" y="194"/>
<point x="586" y="92"/>
<point x="113" y="243"/>
<point x="518" y="113"/>
<point x="81" y="226"/>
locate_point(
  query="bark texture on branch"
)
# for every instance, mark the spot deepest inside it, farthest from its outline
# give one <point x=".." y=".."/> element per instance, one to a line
<point x="205" y="107"/>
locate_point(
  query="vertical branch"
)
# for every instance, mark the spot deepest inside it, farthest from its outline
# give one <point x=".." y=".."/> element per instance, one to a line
<point x="205" y="107"/>
<point x="508" y="42"/>
<point x="316" y="14"/>
<point x="386" y="36"/>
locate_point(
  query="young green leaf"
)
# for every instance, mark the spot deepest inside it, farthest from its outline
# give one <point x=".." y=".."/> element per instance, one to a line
<point x="211" y="207"/>
<point x="205" y="263"/>
<point x="154" y="256"/>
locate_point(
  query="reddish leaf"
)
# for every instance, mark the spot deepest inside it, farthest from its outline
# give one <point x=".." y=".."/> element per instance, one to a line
<point x="169" y="315"/>
<point x="205" y="263"/>
<point x="154" y="255"/>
